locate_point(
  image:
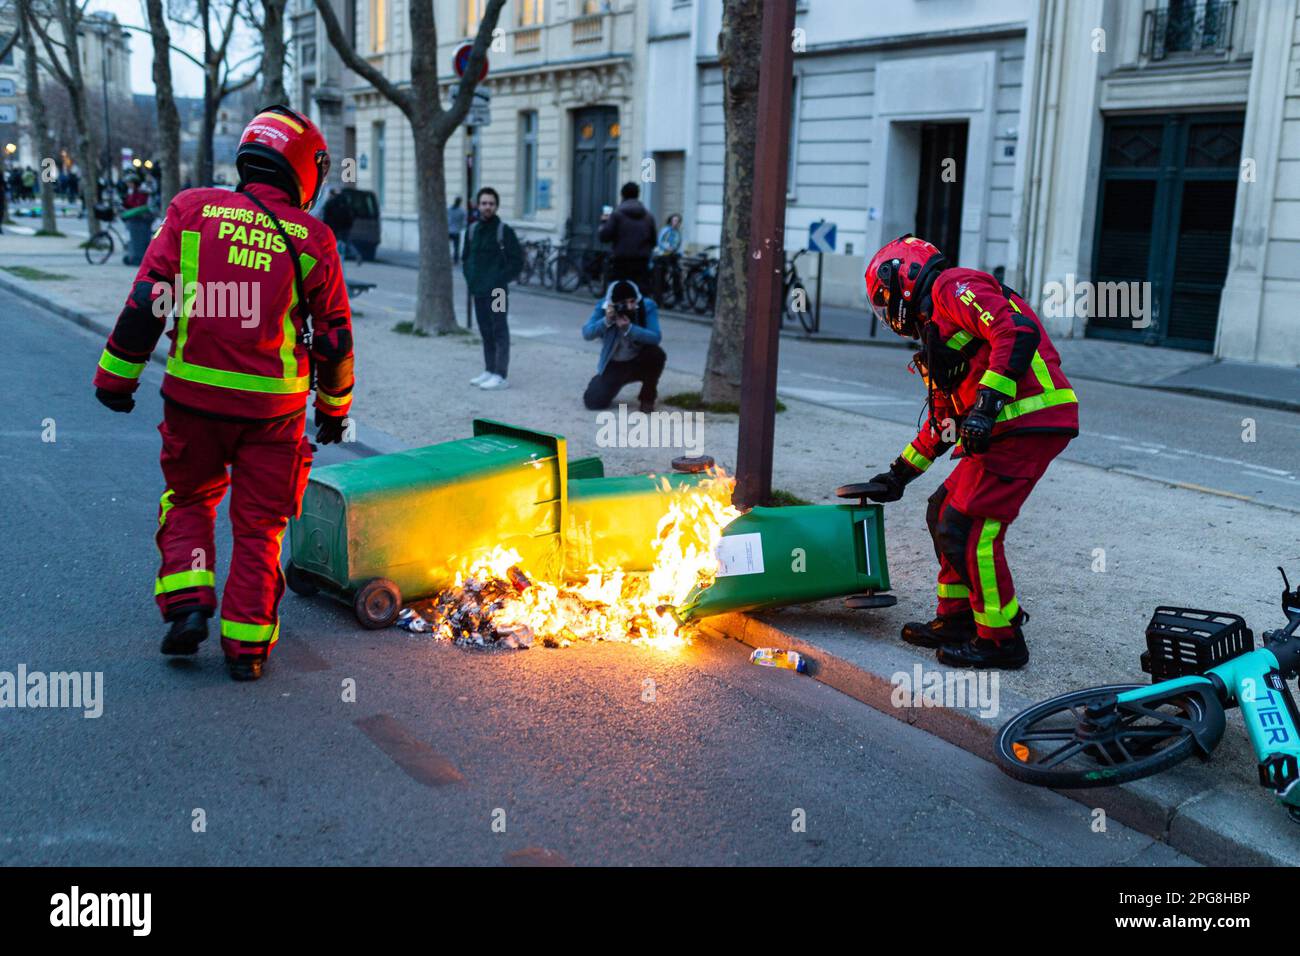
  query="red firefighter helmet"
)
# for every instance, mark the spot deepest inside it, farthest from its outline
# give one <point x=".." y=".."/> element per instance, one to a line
<point x="280" y="140"/>
<point x="898" y="279"/>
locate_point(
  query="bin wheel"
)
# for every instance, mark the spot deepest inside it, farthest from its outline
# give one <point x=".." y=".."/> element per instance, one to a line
<point x="298" y="581"/>
<point x="377" y="603"/>
<point x="866" y="601"/>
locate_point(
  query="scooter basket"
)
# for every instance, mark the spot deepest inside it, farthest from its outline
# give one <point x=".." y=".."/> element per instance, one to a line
<point x="1182" y="641"/>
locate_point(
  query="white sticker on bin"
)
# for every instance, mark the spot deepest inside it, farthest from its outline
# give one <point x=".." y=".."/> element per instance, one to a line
<point x="740" y="554"/>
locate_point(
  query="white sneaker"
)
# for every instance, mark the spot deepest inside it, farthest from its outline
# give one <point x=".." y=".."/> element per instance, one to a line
<point x="494" y="383"/>
<point x="480" y="378"/>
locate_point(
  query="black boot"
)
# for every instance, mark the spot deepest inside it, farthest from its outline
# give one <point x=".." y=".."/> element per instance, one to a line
<point x="1008" y="655"/>
<point x="245" y="668"/>
<point x="189" y="629"/>
<point x="944" y="631"/>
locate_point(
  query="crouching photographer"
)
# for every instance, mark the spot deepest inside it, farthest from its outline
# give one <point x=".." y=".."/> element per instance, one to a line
<point x="628" y="325"/>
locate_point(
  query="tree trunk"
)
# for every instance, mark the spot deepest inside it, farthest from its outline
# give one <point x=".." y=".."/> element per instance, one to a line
<point x="434" y="307"/>
<point x="41" y="129"/>
<point x="740" y="46"/>
<point x="273" y="55"/>
<point x="203" y="161"/>
<point x="169" y="120"/>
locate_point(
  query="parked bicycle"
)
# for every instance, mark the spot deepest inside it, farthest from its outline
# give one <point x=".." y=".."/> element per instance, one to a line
<point x="794" y="296"/>
<point x="668" y="281"/>
<point x="100" y="246"/>
<point x="537" y="259"/>
<point x="579" y="267"/>
<point x="1200" y="663"/>
<point x="702" y="282"/>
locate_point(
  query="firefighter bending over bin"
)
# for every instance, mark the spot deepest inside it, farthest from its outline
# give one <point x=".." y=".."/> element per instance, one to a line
<point x="236" y="386"/>
<point x="996" y="391"/>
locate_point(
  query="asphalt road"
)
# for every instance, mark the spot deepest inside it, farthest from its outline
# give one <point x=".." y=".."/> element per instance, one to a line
<point x="1156" y="434"/>
<point x="440" y="743"/>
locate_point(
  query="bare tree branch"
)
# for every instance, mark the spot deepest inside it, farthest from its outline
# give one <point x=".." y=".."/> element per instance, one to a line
<point x="449" y="119"/>
<point x="358" y="64"/>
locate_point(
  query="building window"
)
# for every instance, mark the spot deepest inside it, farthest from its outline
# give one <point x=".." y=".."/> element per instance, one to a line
<point x="378" y="25"/>
<point x="792" y="160"/>
<point x="8" y="58"/>
<point x="532" y="13"/>
<point x="528" y="161"/>
<point x="594" y="6"/>
<point x="377" y="147"/>
<point x="473" y="13"/>
<point x="349" y="22"/>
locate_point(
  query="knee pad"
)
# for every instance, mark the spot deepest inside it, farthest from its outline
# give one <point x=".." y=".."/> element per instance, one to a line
<point x="952" y="535"/>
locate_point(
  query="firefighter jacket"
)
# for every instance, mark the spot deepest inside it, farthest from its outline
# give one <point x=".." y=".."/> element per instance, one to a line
<point x="991" y="336"/>
<point x="238" y="349"/>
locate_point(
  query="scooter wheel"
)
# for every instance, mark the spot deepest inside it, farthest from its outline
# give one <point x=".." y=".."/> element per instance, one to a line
<point x="1087" y="738"/>
<point x="377" y="603"/>
<point x="298" y="581"/>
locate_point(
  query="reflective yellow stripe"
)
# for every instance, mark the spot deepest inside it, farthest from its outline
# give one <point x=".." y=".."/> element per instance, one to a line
<point x="959" y="339"/>
<point x="120" y="367"/>
<point x="1034" y="403"/>
<point x="911" y="455"/>
<point x="337" y="400"/>
<point x="281" y="118"/>
<point x="164" y="506"/>
<point x="289" y="341"/>
<point x="184" y="579"/>
<point x="244" y="381"/>
<point x="1042" y="373"/>
<point x="953" y="590"/>
<point x="999" y="618"/>
<point x="1001" y="383"/>
<point x="988" y="571"/>
<point x="189" y="287"/>
<point x="251" y="633"/>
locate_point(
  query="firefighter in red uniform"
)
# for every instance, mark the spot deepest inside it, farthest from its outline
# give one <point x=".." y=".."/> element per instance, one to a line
<point x="243" y="270"/>
<point x="997" y="392"/>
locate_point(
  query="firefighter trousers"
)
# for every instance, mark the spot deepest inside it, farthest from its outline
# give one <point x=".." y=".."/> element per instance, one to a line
<point x="968" y="518"/>
<point x="265" y="465"/>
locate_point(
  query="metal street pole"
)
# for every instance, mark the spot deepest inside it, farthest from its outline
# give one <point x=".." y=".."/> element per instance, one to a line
<point x="767" y="259"/>
<point x="103" y="82"/>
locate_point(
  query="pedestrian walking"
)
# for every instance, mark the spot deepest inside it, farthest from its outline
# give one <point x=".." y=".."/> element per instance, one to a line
<point x="492" y="260"/>
<point x="455" y="226"/>
<point x="630" y="229"/>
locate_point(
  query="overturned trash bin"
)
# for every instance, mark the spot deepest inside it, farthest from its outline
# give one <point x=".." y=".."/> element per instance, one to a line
<point x="379" y="531"/>
<point x="771" y="557"/>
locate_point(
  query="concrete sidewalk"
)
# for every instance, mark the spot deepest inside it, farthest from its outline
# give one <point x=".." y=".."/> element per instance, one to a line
<point x="1178" y="370"/>
<point x="1156" y="544"/>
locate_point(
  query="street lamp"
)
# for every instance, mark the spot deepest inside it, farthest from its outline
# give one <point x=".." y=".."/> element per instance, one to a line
<point x="103" y="29"/>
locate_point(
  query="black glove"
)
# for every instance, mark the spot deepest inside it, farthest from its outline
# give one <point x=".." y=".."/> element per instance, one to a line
<point x="117" y="401"/>
<point x="329" y="428"/>
<point x="894" y="480"/>
<point x="977" y="427"/>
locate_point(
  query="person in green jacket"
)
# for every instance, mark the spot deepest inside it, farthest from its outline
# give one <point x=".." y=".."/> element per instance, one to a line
<point x="491" y="261"/>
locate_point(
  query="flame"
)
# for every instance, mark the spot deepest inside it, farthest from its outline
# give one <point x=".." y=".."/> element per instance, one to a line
<point x="607" y="604"/>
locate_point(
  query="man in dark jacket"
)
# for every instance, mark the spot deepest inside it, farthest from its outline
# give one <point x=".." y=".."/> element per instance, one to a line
<point x="491" y="261"/>
<point x="631" y="230"/>
<point x="338" y="216"/>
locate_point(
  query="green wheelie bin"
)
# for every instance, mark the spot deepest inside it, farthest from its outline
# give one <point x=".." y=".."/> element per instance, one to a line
<point x="770" y="557"/>
<point x="383" y="530"/>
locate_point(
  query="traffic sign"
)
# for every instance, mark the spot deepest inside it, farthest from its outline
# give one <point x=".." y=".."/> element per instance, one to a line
<point x="461" y="60"/>
<point x="480" y="109"/>
<point x="821" y="236"/>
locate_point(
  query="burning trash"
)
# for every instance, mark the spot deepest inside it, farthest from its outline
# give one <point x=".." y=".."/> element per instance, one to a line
<point x="496" y="603"/>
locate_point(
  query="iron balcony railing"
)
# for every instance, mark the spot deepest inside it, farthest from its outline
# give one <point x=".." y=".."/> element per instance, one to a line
<point x="1189" y="28"/>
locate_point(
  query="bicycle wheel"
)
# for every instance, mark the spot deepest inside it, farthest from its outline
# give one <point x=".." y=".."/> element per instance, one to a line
<point x="796" y="305"/>
<point x="99" y="248"/>
<point x="1088" y="739"/>
<point x="567" y="275"/>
